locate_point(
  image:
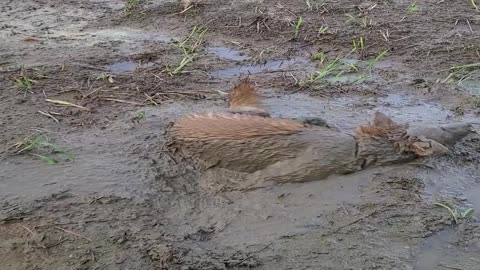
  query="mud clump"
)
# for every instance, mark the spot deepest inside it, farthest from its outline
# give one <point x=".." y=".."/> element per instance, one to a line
<point x="163" y="256"/>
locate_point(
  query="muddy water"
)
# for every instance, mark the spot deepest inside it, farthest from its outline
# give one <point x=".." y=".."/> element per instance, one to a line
<point x="348" y="112"/>
<point x="125" y="34"/>
<point x="106" y="162"/>
<point x="100" y="165"/>
<point x="83" y="41"/>
<point x="227" y="53"/>
<point x="472" y="87"/>
<point x="445" y="177"/>
<point x="291" y="209"/>
<point x="267" y="66"/>
<point x="439" y="253"/>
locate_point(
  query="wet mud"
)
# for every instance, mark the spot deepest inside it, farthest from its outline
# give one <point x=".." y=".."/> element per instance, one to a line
<point x="93" y="86"/>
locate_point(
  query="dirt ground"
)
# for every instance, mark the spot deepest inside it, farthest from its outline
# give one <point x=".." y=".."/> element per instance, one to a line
<point x="89" y="88"/>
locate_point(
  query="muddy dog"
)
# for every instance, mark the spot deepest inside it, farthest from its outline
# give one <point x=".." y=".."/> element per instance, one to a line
<point x="246" y="139"/>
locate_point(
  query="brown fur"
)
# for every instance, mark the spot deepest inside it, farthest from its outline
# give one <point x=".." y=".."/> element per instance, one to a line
<point x="232" y="126"/>
<point x="285" y="150"/>
<point x="244" y="100"/>
<point x="244" y="95"/>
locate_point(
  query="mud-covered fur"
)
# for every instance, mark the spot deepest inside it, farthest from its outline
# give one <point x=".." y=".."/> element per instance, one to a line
<point x="244" y="100"/>
<point x="286" y="150"/>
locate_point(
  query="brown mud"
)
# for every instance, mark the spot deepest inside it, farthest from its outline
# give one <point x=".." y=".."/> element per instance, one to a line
<point x="120" y="201"/>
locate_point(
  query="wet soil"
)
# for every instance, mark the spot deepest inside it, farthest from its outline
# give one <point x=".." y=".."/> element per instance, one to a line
<point x="104" y="193"/>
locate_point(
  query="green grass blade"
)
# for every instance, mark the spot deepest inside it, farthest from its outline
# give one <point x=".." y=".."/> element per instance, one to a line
<point x="452" y="213"/>
<point x="49" y="160"/>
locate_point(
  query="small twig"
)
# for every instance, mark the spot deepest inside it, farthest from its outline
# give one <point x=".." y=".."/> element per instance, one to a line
<point x="57" y="243"/>
<point x="124" y="101"/>
<point x="236" y="44"/>
<point x="158" y="77"/>
<point x="469" y="26"/>
<point x="66" y="103"/>
<point x="222" y="93"/>
<point x="186" y="9"/>
<point x="33" y="235"/>
<point x="26" y="228"/>
<point x="255" y="252"/>
<point x="352" y="222"/>
<point x="401" y="39"/>
<point x="151" y="99"/>
<point x="49" y="115"/>
<point x="73" y="233"/>
<point x="422" y="165"/>
<point x="177" y="93"/>
<point x="92" y="92"/>
<point x="450" y="267"/>
<point x="228" y="222"/>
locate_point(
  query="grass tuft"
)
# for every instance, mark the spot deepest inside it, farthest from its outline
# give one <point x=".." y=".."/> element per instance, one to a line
<point x="319" y="56"/>
<point x="39" y="146"/>
<point x="461" y="73"/>
<point x="374" y="61"/>
<point x="322" y="30"/>
<point x="298" y="25"/>
<point x="474" y="101"/>
<point x="412" y="8"/>
<point x="457" y="213"/>
<point x="139" y="116"/>
<point x="24" y="83"/>
<point x="105" y="77"/>
<point x="364" y="22"/>
<point x="474" y="5"/>
<point x="342" y="69"/>
<point x="131" y="6"/>
<point x="189" y="47"/>
<point x="329" y="68"/>
<point x="359" y="46"/>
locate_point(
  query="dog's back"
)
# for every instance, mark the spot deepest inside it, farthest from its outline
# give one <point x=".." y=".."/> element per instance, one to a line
<point x="239" y="142"/>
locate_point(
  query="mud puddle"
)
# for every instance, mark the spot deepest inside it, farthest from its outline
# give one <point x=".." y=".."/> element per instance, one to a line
<point x="347" y="113"/>
<point x="471" y="86"/>
<point x="115" y="34"/>
<point x="267" y="66"/>
<point x="227" y="53"/>
<point x="350" y="111"/>
<point x="439" y="252"/>
<point x="368" y="220"/>
<point x="444" y="178"/>
<point x="291" y="209"/>
<point x="473" y="196"/>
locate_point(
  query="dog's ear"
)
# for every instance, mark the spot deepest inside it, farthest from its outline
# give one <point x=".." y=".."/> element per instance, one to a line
<point x="244" y="95"/>
<point x="381" y="120"/>
<point x="245" y="100"/>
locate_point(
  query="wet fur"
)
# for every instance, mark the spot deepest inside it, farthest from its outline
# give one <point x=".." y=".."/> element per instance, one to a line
<point x="245" y="100"/>
<point x="285" y="150"/>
